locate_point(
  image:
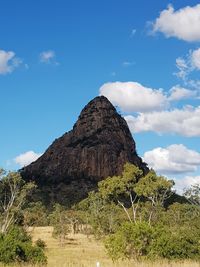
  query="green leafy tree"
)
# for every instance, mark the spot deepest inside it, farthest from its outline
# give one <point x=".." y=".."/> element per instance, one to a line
<point x="60" y="223"/>
<point x="13" y="195"/>
<point x="156" y="189"/>
<point x="117" y="188"/>
<point x="104" y="217"/>
<point x="35" y="215"/>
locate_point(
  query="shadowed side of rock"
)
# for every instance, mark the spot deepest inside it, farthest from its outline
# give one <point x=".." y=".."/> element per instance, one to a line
<point x="98" y="146"/>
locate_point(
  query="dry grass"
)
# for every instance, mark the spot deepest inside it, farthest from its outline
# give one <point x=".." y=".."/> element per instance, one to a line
<point x="80" y="251"/>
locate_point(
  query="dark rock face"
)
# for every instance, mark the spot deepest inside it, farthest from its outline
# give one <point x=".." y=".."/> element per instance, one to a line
<point x="97" y="147"/>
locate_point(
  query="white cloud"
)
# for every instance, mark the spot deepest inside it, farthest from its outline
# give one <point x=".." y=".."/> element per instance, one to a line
<point x="182" y="24"/>
<point x="173" y="159"/>
<point x="183" y="68"/>
<point x="134" y="97"/>
<point x="184" y="121"/>
<point x="188" y="63"/>
<point x="26" y="158"/>
<point x="48" y="57"/>
<point x="183" y="183"/>
<point x="195" y="59"/>
<point x="177" y="93"/>
<point x="8" y="62"/>
<point x="186" y="66"/>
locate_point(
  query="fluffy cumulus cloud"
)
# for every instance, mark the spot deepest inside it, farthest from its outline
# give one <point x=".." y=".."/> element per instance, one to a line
<point x="173" y="159"/>
<point x="182" y="24"/>
<point x="26" y="158"/>
<point x="48" y="57"/>
<point x="184" y="121"/>
<point x="8" y="62"/>
<point x="181" y="184"/>
<point x="134" y="97"/>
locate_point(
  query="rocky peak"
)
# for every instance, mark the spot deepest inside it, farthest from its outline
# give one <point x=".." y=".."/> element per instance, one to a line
<point x="97" y="147"/>
<point x="97" y="114"/>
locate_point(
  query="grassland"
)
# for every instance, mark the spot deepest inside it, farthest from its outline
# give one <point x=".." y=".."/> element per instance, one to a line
<point x="80" y="251"/>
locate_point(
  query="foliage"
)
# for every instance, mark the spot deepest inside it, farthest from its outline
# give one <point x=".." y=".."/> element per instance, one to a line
<point x="13" y="195"/>
<point x="119" y="188"/>
<point x="193" y="194"/>
<point x="155" y="188"/>
<point x="16" y="246"/>
<point x="104" y="217"/>
<point x="148" y="229"/>
<point x="112" y="187"/>
<point x="144" y="241"/>
<point x="59" y="221"/>
<point x="35" y="215"/>
<point x="130" y="241"/>
<point x="141" y="198"/>
<point x="180" y="244"/>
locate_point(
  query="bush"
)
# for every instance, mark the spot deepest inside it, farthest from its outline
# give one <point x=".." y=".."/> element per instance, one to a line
<point x="144" y="241"/>
<point x="179" y="244"/>
<point x="130" y="241"/>
<point x="16" y="246"/>
<point x="40" y="243"/>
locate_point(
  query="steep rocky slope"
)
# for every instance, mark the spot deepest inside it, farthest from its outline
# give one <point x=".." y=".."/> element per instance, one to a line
<point x="98" y="146"/>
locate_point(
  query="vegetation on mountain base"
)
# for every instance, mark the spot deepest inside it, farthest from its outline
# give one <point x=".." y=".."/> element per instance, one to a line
<point x="127" y="212"/>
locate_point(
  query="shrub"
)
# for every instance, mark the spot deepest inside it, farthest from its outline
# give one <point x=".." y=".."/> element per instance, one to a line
<point x="143" y="241"/>
<point x="179" y="244"/>
<point x="130" y="241"/>
<point x="40" y="243"/>
<point x="16" y="246"/>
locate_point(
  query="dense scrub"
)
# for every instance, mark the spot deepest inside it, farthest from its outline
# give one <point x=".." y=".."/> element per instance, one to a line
<point x="16" y="246"/>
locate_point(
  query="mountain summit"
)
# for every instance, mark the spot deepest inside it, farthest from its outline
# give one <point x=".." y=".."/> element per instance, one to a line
<point x="98" y="146"/>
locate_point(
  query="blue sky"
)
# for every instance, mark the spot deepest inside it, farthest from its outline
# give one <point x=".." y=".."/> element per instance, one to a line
<point x="55" y="56"/>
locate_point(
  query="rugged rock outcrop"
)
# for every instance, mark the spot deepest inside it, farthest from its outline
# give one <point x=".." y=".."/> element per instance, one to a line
<point x="98" y="146"/>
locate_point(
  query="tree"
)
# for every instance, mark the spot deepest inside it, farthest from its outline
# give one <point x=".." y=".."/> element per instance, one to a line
<point x="102" y="216"/>
<point x="119" y="187"/>
<point x="35" y="214"/>
<point x="156" y="189"/>
<point x="59" y="220"/>
<point x="13" y="194"/>
<point x="193" y="194"/>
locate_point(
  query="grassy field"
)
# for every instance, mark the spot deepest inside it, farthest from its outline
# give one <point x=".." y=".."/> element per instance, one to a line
<point x="80" y="251"/>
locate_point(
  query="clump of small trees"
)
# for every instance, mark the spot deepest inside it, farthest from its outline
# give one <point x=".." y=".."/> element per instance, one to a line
<point x="131" y="213"/>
